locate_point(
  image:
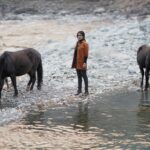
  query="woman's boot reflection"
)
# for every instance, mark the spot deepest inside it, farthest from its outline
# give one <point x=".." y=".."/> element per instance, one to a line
<point x="82" y="116"/>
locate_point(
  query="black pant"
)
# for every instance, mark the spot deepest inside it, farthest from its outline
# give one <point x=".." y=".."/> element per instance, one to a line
<point x="82" y="74"/>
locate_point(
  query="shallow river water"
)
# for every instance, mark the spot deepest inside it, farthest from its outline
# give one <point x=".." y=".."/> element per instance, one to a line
<point x="113" y="121"/>
<point x="53" y="118"/>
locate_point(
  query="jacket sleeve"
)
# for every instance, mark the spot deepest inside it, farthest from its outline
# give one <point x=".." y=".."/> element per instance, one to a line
<point x="86" y="51"/>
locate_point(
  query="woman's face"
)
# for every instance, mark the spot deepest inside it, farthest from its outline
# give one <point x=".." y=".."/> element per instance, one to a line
<point x="79" y="36"/>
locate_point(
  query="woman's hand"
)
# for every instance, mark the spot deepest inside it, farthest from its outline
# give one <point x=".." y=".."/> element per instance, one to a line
<point x="84" y="66"/>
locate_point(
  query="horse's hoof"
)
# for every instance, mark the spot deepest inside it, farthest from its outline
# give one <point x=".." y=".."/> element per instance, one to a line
<point x="28" y="88"/>
<point x="142" y="89"/>
<point x="39" y="88"/>
<point x="145" y="89"/>
<point x="15" y="95"/>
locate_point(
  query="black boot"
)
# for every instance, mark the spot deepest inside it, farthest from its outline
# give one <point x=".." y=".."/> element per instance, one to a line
<point x="86" y="93"/>
<point x="78" y="92"/>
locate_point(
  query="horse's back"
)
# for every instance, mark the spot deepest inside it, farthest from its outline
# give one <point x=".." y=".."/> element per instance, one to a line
<point x="28" y="51"/>
<point x="21" y="62"/>
<point x="25" y="55"/>
<point x="143" y="55"/>
<point x="33" y="55"/>
<point x="31" y="51"/>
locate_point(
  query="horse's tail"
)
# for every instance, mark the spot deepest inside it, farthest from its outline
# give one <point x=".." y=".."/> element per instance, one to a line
<point x="140" y="48"/>
<point x="40" y="75"/>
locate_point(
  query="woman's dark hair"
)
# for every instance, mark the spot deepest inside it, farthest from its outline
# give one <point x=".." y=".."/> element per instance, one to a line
<point x="75" y="51"/>
<point x="82" y="33"/>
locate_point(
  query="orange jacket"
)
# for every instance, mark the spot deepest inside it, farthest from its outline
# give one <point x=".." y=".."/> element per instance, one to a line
<point x="79" y="55"/>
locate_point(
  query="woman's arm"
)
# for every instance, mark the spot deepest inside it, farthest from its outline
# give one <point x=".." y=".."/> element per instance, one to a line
<point x="86" y="50"/>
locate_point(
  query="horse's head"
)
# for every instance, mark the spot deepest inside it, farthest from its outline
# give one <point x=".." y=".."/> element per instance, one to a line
<point x="2" y="66"/>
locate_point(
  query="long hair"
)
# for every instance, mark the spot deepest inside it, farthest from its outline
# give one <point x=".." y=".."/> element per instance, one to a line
<point x="83" y="34"/>
<point x="76" y="47"/>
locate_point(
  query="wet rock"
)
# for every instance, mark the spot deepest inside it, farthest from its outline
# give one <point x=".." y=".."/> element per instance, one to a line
<point x="110" y="77"/>
<point x="104" y="30"/>
<point x="99" y="10"/>
<point x="132" y="70"/>
<point x="134" y="89"/>
<point x="63" y="13"/>
<point x="133" y="31"/>
<point x="13" y="17"/>
<point x="26" y="11"/>
<point x="121" y="41"/>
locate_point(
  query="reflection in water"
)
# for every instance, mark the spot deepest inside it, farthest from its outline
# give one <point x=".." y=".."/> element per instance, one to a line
<point x="144" y="101"/>
<point x="117" y="118"/>
<point x="35" y="117"/>
<point x="8" y="104"/>
<point x="143" y="114"/>
<point x="81" y="117"/>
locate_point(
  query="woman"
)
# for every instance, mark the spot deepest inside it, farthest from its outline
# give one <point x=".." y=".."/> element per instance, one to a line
<point x="80" y="61"/>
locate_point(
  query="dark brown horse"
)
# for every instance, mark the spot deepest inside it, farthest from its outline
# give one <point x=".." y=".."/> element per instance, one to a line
<point x="18" y="63"/>
<point x="143" y="60"/>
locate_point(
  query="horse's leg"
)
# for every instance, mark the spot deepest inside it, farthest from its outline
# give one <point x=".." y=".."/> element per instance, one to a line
<point x="29" y="83"/>
<point x="1" y="87"/>
<point x="33" y="81"/>
<point x="6" y="81"/>
<point x="146" y="78"/>
<point x="13" y="80"/>
<point x="142" y="73"/>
